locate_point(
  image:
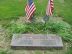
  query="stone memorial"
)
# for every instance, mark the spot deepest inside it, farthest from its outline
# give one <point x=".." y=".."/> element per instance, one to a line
<point x="36" y="41"/>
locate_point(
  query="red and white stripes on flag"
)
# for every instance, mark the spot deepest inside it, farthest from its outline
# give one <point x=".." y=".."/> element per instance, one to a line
<point x="50" y="7"/>
<point x="30" y="9"/>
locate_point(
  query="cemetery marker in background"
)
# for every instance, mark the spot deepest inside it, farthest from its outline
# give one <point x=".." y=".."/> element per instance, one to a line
<point x="36" y="41"/>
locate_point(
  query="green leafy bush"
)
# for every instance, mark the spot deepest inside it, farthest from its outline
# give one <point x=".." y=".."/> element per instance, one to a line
<point x="58" y="26"/>
<point x="61" y="28"/>
<point x="17" y="28"/>
<point x="53" y="26"/>
<point x="26" y="28"/>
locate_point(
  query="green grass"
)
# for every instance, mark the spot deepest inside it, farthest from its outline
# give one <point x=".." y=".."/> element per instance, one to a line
<point x="64" y="10"/>
<point x="69" y="50"/>
<point x="55" y="26"/>
<point x="15" y="8"/>
<point x="11" y="8"/>
<point x="59" y="27"/>
<point x="4" y="51"/>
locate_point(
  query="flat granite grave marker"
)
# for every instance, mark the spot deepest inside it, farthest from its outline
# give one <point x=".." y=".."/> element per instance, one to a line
<point x="31" y="41"/>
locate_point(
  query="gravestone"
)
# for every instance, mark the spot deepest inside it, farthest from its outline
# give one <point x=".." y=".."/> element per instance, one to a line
<point x="36" y="41"/>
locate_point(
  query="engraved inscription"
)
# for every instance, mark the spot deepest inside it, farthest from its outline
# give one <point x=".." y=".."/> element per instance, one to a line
<point x="36" y="40"/>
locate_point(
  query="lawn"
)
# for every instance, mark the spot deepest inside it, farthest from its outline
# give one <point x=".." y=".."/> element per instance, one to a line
<point x="10" y="9"/>
<point x="12" y="17"/>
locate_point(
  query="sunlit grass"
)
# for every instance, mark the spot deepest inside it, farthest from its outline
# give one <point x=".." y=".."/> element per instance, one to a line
<point x="14" y="8"/>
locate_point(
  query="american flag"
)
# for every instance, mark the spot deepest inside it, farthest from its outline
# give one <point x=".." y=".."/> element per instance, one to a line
<point x="50" y="7"/>
<point x="30" y="9"/>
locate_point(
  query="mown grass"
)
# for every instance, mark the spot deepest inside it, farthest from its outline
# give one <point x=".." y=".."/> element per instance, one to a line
<point x="10" y="9"/>
<point x="63" y="10"/>
<point x="15" y="8"/>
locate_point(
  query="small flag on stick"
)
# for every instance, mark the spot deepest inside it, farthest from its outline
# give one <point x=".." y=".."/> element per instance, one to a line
<point x="50" y="7"/>
<point x="30" y="9"/>
<point x="49" y="11"/>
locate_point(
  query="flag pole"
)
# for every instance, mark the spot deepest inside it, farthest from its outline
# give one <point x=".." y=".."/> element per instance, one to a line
<point x="49" y="10"/>
<point x="30" y="9"/>
<point x="46" y="17"/>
